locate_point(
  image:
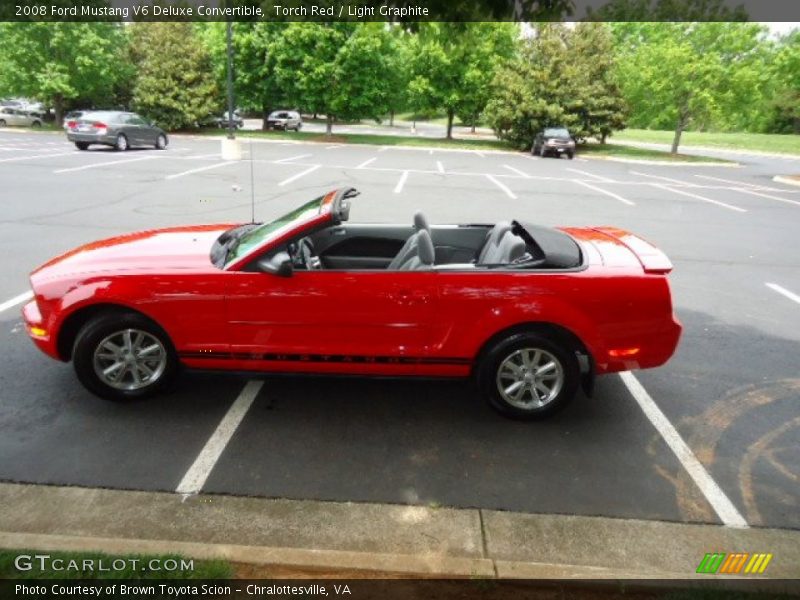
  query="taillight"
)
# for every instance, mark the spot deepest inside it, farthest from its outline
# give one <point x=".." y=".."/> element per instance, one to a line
<point x="100" y="126"/>
<point x="72" y="124"/>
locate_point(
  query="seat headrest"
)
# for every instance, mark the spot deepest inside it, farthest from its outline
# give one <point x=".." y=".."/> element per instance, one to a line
<point x="425" y="249"/>
<point x="420" y="222"/>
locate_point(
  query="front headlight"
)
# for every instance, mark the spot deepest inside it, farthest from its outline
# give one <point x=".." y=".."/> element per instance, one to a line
<point x="551" y="142"/>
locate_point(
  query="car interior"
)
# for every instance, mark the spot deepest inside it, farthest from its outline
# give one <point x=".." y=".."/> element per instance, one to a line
<point x="421" y="246"/>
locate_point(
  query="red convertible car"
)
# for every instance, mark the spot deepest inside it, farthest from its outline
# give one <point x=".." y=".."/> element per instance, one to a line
<point x="533" y="313"/>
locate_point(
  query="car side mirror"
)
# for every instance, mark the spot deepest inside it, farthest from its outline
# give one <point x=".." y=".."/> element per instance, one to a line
<point x="280" y="265"/>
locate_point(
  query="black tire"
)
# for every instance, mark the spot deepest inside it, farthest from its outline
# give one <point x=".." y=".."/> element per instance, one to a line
<point x="36" y="124"/>
<point x="501" y="351"/>
<point x="105" y="326"/>
<point x="121" y="144"/>
<point x="2" y="122"/>
<point x="161" y="142"/>
<point x="571" y="155"/>
<point x="82" y="145"/>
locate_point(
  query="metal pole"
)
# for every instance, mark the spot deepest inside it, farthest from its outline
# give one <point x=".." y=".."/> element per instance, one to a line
<point x="230" y="81"/>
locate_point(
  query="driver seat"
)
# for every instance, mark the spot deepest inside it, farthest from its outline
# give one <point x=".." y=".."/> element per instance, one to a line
<point x="409" y="248"/>
<point x="424" y="253"/>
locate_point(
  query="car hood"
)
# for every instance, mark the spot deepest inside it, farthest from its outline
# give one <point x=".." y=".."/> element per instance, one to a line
<point x="174" y="248"/>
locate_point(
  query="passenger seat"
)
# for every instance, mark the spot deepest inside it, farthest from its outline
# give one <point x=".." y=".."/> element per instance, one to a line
<point x="408" y="250"/>
<point x="424" y="253"/>
<point x="506" y="250"/>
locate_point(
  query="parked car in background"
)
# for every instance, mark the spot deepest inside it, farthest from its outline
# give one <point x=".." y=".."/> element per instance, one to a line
<point x="17" y="117"/>
<point x="284" y="119"/>
<point x="553" y="141"/>
<point x="121" y="130"/>
<point x="225" y="120"/>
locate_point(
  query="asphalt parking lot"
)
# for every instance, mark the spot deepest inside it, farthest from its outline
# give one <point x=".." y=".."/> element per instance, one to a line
<point x="731" y="392"/>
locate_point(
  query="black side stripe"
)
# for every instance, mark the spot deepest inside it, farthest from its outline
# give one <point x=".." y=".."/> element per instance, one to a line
<point x="325" y="358"/>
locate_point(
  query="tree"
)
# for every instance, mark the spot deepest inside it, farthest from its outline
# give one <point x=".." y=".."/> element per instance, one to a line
<point x="452" y="65"/>
<point x="57" y="62"/>
<point x="175" y="85"/>
<point x="336" y="69"/>
<point x="784" y="108"/>
<point x="684" y="73"/>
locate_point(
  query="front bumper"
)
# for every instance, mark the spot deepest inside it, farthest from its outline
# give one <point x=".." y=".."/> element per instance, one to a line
<point x="38" y="331"/>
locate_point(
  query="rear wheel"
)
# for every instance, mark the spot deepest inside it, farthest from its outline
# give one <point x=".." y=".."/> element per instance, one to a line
<point x="2" y="122"/>
<point x="36" y="124"/>
<point x="82" y="145"/>
<point x="571" y="155"/>
<point x="123" y="357"/>
<point x="527" y="376"/>
<point x="161" y="142"/>
<point x="122" y="143"/>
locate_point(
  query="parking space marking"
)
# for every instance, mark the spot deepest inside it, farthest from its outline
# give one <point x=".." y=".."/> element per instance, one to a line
<point x="200" y="169"/>
<point x="596" y="177"/>
<point x="740" y="183"/>
<point x="517" y="171"/>
<point x="366" y="163"/>
<point x="721" y="504"/>
<point x="439" y="166"/>
<point x="502" y="186"/>
<point x="783" y="291"/>
<point x="16" y="300"/>
<point x="334" y="146"/>
<point x="383" y="148"/>
<point x="670" y="179"/>
<point x="103" y="164"/>
<point x="763" y="195"/>
<point x="298" y="175"/>
<point x="606" y="192"/>
<point x="399" y="187"/>
<point x="195" y="478"/>
<point x="703" y="198"/>
<point x="283" y="160"/>
<point x="36" y="156"/>
<point x="481" y="154"/>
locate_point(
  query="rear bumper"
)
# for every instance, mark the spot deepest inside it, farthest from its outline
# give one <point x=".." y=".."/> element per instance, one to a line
<point x="90" y="138"/>
<point x="644" y="352"/>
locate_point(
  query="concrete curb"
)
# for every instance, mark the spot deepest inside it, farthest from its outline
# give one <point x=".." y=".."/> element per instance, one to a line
<point x="379" y="538"/>
<point x="666" y="163"/>
<point x="786" y="180"/>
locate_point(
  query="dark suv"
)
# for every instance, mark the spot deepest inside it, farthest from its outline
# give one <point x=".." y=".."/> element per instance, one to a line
<point x="555" y="141"/>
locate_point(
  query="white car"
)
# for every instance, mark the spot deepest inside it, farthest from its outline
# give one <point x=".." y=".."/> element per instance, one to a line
<point x="16" y="117"/>
<point x="284" y="119"/>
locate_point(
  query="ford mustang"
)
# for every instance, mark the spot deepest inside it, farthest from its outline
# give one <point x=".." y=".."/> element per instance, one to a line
<point x="532" y="313"/>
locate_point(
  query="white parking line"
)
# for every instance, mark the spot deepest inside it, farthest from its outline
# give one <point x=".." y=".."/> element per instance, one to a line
<point x="606" y="192"/>
<point x="740" y="183"/>
<point x="51" y="155"/>
<point x="198" y="473"/>
<point x="517" y="171"/>
<point x="481" y="154"/>
<point x="103" y="164"/>
<point x="333" y="146"/>
<point x="670" y="179"/>
<point x="770" y="196"/>
<point x="703" y="198"/>
<point x="399" y="187"/>
<point x="16" y="300"/>
<point x="439" y="166"/>
<point x="783" y="291"/>
<point x="283" y="160"/>
<point x="596" y="177"/>
<point x="367" y="162"/>
<point x="502" y="186"/>
<point x="299" y="175"/>
<point x="200" y="169"/>
<point x="721" y="504"/>
<point x="383" y="148"/>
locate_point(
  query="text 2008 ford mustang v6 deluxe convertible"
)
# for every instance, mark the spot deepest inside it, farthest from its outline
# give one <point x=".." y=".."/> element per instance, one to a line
<point x="531" y="312"/>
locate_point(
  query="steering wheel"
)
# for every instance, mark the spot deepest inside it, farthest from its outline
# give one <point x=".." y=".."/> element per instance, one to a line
<point x="309" y="258"/>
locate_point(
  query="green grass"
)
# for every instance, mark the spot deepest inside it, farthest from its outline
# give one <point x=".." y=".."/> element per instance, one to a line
<point x="763" y="142"/>
<point x="203" y="569"/>
<point x="622" y="151"/>
<point x="365" y="138"/>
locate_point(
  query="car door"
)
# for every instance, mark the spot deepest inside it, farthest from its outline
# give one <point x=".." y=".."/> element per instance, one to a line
<point x="136" y="129"/>
<point x="355" y="321"/>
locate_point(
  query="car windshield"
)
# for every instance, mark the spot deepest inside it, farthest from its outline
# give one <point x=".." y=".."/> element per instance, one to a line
<point x="556" y="132"/>
<point x="255" y="237"/>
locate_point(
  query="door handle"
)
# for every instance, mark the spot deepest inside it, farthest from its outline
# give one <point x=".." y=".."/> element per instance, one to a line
<point x="410" y="298"/>
<point x="338" y="231"/>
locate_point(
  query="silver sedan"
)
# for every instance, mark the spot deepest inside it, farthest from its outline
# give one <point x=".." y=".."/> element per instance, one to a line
<point x="120" y="130"/>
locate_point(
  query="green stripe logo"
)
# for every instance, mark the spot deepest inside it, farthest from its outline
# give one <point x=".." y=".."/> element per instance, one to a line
<point x="711" y="562"/>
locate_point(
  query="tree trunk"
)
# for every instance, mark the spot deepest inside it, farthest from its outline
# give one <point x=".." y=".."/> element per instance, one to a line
<point x="391" y="119"/>
<point x="683" y="120"/>
<point x="473" y="127"/>
<point x="58" y="105"/>
<point x="450" y="124"/>
<point x="328" y="124"/>
<point x="603" y="138"/>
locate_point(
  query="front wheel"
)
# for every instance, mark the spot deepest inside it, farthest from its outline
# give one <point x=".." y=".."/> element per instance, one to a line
<point x="527" y="376"/>
<point x="36" y="124"/>
<point x="571" y="155"/>
<point x="123" y="357"/>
